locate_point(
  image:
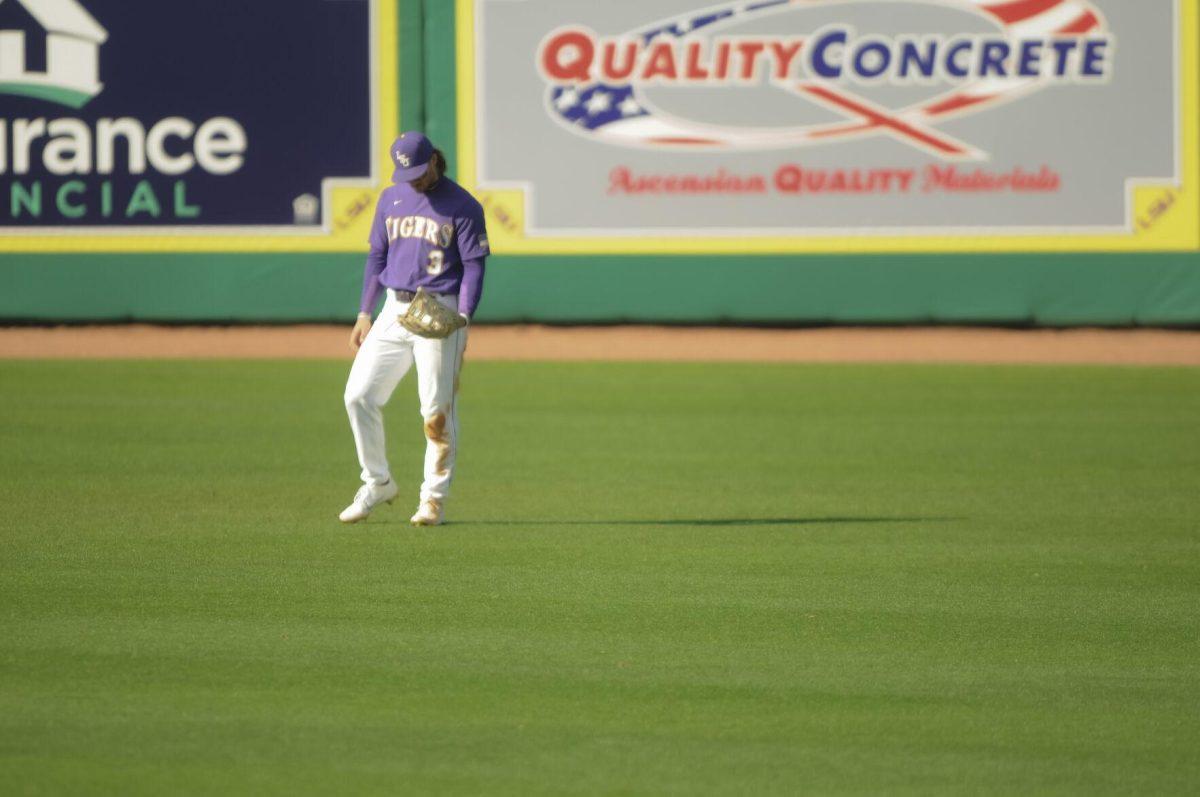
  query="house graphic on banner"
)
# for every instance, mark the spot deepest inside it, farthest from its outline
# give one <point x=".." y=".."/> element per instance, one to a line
<point x="50" y="49"/>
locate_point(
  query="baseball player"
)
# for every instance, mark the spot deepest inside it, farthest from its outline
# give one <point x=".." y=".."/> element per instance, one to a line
<point x="428" y="246"/>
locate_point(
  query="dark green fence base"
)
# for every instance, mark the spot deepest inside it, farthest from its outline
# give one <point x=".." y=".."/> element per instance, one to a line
<point x="1058" y="290"/>
<point x="1023" y="289"/>
<point x="180" y="288"/>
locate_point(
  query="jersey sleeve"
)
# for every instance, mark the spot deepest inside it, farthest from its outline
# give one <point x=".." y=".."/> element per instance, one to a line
<point x="376" y="262"/>
<point x="378" y="238"/>
<point x="472" y="234"/>
<point x="471" y="290"/>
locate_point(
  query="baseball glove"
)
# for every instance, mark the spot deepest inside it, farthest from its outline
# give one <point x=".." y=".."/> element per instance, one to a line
<point x="429" y="318"/>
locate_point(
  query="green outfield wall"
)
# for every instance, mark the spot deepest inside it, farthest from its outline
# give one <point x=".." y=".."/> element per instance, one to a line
<point x="1064" y="290"/>
<point x="1011" y="287"/>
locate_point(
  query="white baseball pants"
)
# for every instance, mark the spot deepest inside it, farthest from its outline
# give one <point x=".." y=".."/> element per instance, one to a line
<point x="382" y="361"/>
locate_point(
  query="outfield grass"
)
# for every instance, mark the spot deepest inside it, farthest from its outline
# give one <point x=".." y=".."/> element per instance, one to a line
<point x="682" y="579"/>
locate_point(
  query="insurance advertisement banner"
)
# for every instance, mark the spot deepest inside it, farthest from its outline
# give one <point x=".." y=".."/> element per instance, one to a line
<point x="134" y="125"/>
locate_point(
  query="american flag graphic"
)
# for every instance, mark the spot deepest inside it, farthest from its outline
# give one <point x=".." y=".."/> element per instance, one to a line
<point x="622" y="115"/>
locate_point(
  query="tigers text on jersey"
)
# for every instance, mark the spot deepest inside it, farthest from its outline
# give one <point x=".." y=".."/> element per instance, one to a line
<point x="419" y="227"/>
<point x="424" y="238"/>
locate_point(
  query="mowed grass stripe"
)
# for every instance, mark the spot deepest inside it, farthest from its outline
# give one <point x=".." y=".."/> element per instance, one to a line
<point x="656" y="579"/>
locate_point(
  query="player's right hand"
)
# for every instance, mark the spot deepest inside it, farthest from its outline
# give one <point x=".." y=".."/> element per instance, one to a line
<point x="357" y="335"/>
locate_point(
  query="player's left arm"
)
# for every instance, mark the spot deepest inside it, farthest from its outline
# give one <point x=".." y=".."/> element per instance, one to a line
<point x="473" y="249"/>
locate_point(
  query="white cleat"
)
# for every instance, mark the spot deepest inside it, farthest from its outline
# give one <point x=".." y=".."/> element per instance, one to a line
<point x="367" y="498"/>
<point x="428" y="514"/>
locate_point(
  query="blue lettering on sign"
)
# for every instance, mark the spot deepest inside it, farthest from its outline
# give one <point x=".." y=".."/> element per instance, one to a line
<point x="993" y="58"/>
<point x="1094" y="57"/>
<point x="820" y="59"/>
<point x="835" y="53"/>
<point x="1031" y="53"/>
<point x="917" y="61"/>
<point x="954" y="59"/>
<point x="872" y="59"/>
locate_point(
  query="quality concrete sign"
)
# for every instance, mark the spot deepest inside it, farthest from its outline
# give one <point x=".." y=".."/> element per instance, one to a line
<point x="830" y="125"/>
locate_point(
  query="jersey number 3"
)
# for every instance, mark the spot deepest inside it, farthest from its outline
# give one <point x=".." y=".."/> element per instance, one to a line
<point x="436" y="263"/>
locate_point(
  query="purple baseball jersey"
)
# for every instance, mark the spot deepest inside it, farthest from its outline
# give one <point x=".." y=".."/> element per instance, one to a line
<point x="436" y="241"/>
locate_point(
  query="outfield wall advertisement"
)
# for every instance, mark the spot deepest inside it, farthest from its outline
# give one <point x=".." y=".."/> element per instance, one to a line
<point x="673" y="161"/>
<point x="831" y="125"/>
<point x="258" y="129"/>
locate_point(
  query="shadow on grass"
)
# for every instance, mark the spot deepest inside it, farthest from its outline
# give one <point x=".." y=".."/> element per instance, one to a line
<point x="777" y="521"/>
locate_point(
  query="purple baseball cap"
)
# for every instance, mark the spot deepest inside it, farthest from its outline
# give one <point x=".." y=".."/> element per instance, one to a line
<point x="411" y="153"/>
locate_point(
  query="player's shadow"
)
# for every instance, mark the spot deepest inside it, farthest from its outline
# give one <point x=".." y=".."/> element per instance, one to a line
<point x="773" y="521"/>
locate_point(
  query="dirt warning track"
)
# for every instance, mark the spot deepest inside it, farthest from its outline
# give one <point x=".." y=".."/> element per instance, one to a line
<point x="646" y="343"/>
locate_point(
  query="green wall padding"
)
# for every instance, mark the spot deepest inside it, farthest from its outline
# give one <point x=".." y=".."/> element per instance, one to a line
<point x="1063" y="290"/>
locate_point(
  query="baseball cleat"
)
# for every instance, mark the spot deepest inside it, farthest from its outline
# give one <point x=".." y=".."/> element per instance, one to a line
<point x="428" y="514"/>
<point x="367" y="498"/>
